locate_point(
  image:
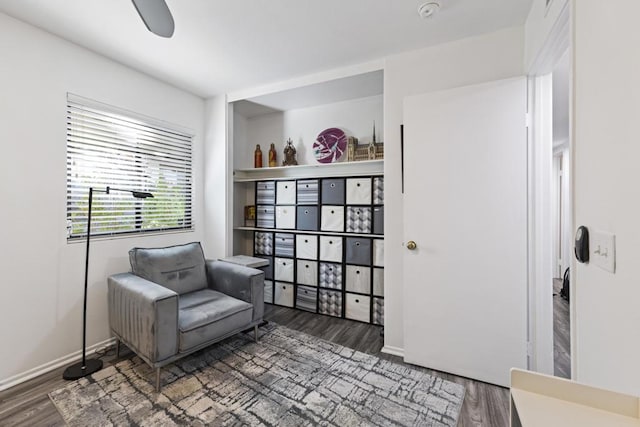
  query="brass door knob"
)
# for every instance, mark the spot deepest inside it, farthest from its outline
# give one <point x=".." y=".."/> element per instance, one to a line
<point x="411" y="245"/>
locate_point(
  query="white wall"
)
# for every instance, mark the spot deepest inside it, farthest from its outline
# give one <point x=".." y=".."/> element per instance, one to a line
<point x="478" y="59"/>
<point x="42" y="275"/>
<point x="355" y="117"/>
<point x="539" y="25"/>
<point x="216" y="178"/>
<point x="606" y="153"/>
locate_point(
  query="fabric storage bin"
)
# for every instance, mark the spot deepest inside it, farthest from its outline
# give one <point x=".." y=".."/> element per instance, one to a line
<point x="306" y="246"/>
<point x="378" y="190"/>
<point x="358" y="219"/>
<point x="330" y="302"/>
<point x="358" y="251"/>
<point x="332" y="218"/>
<point x="284" y="245"/>
<point x="330" y="275"/>
<point x="286" y="217"/>
<point x="283" y="269"/>
<point x="306" y="298"/>
<point x="307" y="218"/>
<point x="333" y="191"/>
<point x="308" y="192"/>
<point x="286" y="193"/>
<point x="378" y="220"/>
<point x="265" y="193"/>
<point x="378" y="252"/>
<point x="359" y="191"/>
<point x="265" y="216"/>
<point x="268" y="291"/>
<point x="378" y="311"/>
<point x="283" y="294"/>
<point x="358" y="279"/>
<point x="357" y="307"/>
<point x="331" y="248"/>
<point x="378" y="282"/>
<point x="307" y="272"/>
<point x="263" y="244"/>
<point x="268" y="269"/>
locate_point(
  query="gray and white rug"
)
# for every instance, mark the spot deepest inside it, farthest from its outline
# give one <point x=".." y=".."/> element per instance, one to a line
<point x="288" y="378"/>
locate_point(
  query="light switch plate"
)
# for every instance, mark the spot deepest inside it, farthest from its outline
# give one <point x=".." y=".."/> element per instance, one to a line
<point x="603" y="250"/>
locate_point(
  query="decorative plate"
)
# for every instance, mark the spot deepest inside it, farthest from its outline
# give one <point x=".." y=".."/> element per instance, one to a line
<point x="330" y="145"/>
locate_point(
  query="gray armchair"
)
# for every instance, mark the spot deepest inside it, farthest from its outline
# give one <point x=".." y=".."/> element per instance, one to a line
<point x="174" y="302"/>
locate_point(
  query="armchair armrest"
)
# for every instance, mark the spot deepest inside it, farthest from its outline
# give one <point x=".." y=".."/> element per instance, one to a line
<point x="240" y="282"/>
<point x="144" y="315"/>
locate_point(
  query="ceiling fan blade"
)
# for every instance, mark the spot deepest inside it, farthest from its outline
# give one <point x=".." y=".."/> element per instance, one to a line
<point x="156" y="16"/>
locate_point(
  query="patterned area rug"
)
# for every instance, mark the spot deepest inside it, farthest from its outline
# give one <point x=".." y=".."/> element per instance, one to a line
<point x="288" y="378"/>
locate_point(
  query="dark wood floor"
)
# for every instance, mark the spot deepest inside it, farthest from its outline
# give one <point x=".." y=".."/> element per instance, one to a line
<point x="484" y="405"/>
<point x="561" y="333"/>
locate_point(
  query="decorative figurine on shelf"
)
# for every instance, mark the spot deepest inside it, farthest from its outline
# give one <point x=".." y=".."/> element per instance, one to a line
<point x="371" y="149"/>
<point x="351" y="148"/>
<point x="257" y="157"/>
<point x="289" y="154"/>
<point x="250" y="216"/>
<point x="272" y="156"/>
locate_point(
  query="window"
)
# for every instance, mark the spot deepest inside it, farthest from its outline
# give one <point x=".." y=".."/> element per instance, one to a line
<point x="115" y="148"/>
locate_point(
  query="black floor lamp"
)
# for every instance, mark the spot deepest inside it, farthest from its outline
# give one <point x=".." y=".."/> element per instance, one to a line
<point x="88" y="367"/>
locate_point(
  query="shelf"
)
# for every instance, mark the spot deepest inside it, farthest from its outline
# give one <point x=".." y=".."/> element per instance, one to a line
<point x="318" y="233"/>
<point x="341" y="169"/>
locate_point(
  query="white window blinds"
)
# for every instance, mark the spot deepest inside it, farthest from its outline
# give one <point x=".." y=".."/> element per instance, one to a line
<point x="107" y="147"/>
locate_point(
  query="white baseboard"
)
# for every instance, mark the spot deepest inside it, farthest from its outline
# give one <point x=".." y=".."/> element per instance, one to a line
<point x="395" y="351"/>
<point x="54" y="364"/>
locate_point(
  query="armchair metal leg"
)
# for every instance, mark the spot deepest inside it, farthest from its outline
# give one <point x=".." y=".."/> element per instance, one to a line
<point x="157" y="380"/>
<point x="255" y="333"/>
<point x="117" y="348"/>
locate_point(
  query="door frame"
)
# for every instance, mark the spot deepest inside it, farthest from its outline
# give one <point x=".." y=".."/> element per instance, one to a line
<point x="541" y="263"/>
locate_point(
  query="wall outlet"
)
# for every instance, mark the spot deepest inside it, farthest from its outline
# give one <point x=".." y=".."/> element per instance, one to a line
<point x="603" y="250"/>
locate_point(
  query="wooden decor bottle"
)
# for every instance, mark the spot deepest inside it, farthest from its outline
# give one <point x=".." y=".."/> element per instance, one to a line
<point x="272" y="156"/>
<point x="257" y="157"/>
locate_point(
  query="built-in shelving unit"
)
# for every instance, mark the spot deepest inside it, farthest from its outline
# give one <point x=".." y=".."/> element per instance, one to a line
<point x="352" y="103"/>
<point x="362" y="168"/>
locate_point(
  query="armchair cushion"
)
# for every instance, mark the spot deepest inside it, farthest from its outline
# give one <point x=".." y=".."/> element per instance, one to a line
<point x="207" y="314"/>
<point x="180" y="268"/>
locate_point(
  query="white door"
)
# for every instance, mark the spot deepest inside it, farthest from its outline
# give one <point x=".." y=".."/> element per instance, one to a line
<point x="465" y="206"/>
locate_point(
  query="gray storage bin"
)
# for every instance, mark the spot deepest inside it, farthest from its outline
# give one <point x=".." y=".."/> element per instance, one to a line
<point x="268" y="269"/>
<point x="378" y="311"/>
<point x="283" y="294"/>
<point x="307" y="218"/>
<point x="330" y="302"/>
<point x="358" y="251"/>
<point x="265" y="193"/>
<point x="263" y="244"/>
<point x="268" y="291"/>
<point x="378" y="220"/>
<point x="306" y="298"/>
<point x="358" y="219"/>
<point x="265" y="216"/>
<point x="333" y="191"/>
<point x="358" y="307"/>
<point x="308" y="192"/>
<point x="378" y="190"/>
<point x="284" y="245"/>
<point x="330" y="275"/>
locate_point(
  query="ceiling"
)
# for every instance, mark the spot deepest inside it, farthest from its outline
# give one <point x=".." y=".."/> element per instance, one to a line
<point x="225" y="45"/>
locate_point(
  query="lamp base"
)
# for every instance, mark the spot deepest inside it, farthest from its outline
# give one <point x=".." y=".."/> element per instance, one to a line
<point x="77" y="370"/>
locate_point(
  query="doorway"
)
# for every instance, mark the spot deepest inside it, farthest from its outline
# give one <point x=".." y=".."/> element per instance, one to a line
<point x="561" y="208"/>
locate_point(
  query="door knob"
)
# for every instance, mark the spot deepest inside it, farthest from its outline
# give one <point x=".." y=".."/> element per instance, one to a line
<point x="411" y="245"/>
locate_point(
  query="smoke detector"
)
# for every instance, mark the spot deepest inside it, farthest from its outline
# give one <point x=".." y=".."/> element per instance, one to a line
<point x="428" y="9"/>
